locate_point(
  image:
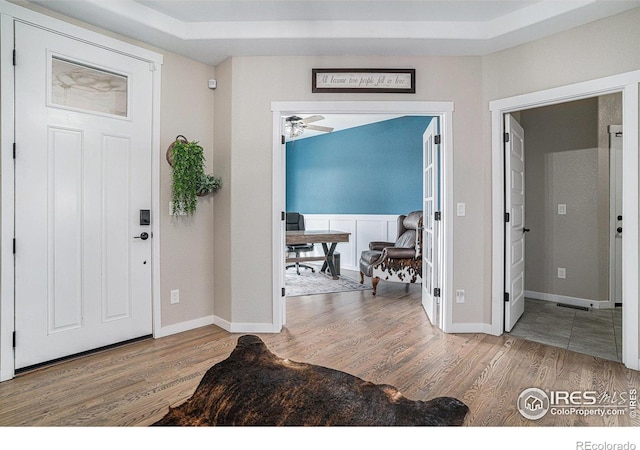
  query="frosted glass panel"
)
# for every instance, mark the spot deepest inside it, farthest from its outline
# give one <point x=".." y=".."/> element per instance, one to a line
<point x="83" y="87"/>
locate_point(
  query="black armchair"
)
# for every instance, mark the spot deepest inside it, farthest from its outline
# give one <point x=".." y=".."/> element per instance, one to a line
<point x="295" y="222"/>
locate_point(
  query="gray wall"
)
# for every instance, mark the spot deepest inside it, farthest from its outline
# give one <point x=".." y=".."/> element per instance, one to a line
<point x="258" y="81"/>
<point x="562" y="167"/>
<point x="470" y="82"/>
<point x="239" y="217"/>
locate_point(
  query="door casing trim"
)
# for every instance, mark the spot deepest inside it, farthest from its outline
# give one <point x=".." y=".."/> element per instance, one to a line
<point x="627" y="84"/>
<point x="442" y="110"/>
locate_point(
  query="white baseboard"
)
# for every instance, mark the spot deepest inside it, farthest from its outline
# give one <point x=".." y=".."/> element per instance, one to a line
<point x="244" y="327"/>
<point x="484" y="328"/>
<point x="185" y="326"/>
<point x="225" y="325"/>
<point x="215" y="320"/>
<point x="567" y="300"/>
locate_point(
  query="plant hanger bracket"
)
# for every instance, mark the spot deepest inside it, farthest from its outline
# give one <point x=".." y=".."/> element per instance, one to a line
<point x="179" y="138"/>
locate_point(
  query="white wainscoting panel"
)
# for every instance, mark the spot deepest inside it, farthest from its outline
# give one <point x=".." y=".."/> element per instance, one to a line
<point x="364" y="228"/>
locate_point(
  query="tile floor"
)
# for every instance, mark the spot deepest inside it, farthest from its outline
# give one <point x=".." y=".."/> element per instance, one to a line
<point x="597" y="332"/>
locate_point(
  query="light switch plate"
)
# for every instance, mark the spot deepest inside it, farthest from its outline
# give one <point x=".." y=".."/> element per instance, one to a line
<point x="562" y="208"/>
<point x="461" y="209"/>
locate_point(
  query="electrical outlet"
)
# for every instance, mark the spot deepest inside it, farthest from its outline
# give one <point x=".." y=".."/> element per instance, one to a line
<point x="175" y="296"/>
<point x="562" y="272"/>
<point x="562" y="209"/>
<point x="459" y="295"/>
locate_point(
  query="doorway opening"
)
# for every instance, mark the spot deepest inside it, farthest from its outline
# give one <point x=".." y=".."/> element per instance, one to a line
<point x="440" y="110"/>
<point x="627" y="85"/>
<point x="567" y="177"/>
<point x="350" y="173"/>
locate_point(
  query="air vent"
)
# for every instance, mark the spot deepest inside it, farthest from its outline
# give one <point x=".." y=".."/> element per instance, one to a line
<point x="564" y="305"/>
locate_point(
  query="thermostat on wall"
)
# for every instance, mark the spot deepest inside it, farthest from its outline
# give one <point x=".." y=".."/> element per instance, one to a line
<point x="213" y="84"/>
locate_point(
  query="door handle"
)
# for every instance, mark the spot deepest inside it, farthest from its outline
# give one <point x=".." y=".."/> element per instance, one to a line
<point x="526" y="230"/>
<point x="144" y="236"/>
<point x="619" y="229"/>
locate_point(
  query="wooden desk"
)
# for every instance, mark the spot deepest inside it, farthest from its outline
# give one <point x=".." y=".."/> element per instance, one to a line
<point x="324" y="237"/>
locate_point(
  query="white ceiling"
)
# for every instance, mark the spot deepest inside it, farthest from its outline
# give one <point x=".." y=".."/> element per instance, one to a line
<point x="211" y="31"/>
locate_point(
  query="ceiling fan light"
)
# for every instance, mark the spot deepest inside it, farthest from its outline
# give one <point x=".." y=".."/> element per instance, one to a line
<point x="293" y="129"/>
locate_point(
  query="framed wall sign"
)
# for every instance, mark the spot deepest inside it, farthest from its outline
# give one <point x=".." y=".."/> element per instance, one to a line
<point x="364" y="80"/>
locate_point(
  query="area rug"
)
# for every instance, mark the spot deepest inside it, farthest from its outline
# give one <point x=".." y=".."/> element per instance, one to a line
<point x="254" y="387"/>
<point x="309" y="283"/>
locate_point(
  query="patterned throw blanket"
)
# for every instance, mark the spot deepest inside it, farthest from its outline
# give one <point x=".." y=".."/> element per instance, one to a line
<point x="255" y="387"/>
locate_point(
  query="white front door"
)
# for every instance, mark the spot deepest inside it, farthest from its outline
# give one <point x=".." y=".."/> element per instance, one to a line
<point x="430" y="266"/>
<point x="615" y="171"/>
<point x="515" y="226"/>
<point x="83" y="173"/>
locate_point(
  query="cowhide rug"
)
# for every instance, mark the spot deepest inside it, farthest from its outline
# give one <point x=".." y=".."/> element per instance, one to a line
<point x="255" y="387"/>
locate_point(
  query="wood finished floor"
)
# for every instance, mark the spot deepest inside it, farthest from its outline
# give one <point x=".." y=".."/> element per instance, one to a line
<point x="382" y="339"/>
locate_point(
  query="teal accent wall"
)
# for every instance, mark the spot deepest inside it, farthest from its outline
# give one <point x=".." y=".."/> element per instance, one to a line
<point x="371" y="169"/>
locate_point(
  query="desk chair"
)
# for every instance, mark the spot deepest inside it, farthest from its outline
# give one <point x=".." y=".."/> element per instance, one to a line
<point x="295" y="222"/>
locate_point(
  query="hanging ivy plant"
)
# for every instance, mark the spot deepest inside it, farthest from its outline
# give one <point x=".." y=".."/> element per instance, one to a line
<point x="188" y="172"/>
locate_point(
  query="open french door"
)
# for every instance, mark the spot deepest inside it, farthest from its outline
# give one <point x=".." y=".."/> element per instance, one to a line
<point x="430" y="231"/>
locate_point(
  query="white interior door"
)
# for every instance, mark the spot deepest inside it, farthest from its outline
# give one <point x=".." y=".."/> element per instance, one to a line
<point x="515" y="227"/>
<point x="615" y="171"/>
<point x="83" y="173"/>
<point x="430" y="266"/>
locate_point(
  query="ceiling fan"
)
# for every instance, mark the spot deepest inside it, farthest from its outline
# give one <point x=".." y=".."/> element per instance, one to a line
<point x="295" y="126"/>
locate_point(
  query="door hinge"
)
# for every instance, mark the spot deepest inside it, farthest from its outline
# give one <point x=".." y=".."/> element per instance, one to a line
<point x="14" y="150"/>
<point x="283" y="292"/>
<point x="437" y="139"/>
<point x="282" y="139"/>
<point x="14" y="339"/>
<point x="506" y="296"/>
<point x="506" y="137"/>
<point x="14" y="56"/>
<point x="14" y="246"/>
<point x="282" y="215"/>
<point x="437" y="215"/>
<point x="436" y="292"/>
<point x="507" y="217"/>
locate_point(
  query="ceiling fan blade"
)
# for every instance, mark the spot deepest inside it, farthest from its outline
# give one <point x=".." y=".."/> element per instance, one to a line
<point x="319" y="128"/>
<point x="312" y="119"/>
